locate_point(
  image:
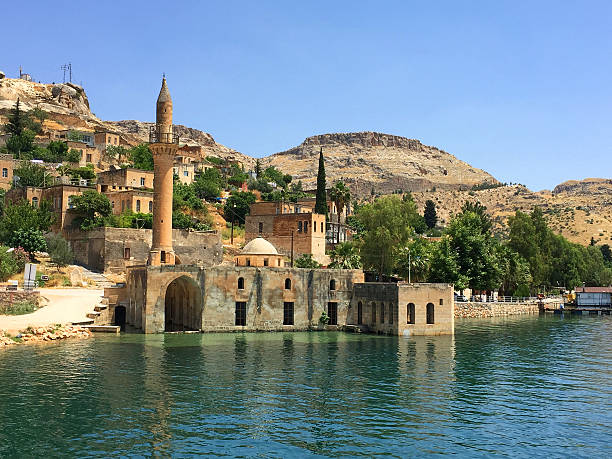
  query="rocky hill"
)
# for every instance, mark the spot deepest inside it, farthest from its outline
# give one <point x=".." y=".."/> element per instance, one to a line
<point x="68" y="108"/>
<point x="580" y="210"/>
<point x="372" y="160"/>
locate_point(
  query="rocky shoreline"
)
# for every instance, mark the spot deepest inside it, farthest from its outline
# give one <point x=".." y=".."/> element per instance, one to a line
<point x="44" y="334"/>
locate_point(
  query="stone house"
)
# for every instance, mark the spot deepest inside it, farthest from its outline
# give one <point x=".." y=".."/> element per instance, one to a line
<point x="134" y="200"/>
<point x="89" y="154"/>
<point x="105" y="138"/>
<point x="7" y="164"/>
<point x="289" y="227"/>
<point x="124" y="179"/>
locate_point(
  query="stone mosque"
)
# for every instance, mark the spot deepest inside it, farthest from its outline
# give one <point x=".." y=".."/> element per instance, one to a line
<point x="258" y="292"/>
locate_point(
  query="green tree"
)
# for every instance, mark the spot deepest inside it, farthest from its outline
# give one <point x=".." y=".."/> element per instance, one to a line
<point x="444" y="265"/>
<point x="306" y="261"/>
<point x="23" y="216"/>
<point x="207" y="185"/>
<point x="115" y="153"/>
<point x="30" y="239"/>
<point x="430" y="215"/>
<point x="257" y="167"/>
<point x="86" y="172"/>
<point x="387" y="231"/>
<point x="345" y="256"/>
<point x="91" y="209"/>
<point x="59" y="250"/>
<point x="73" y="156"/>
<point x="417" y="256"/>
<point x="31" y="174"/>
<point x="17" y="120"/>
<point x="321" y="197"/>
<point x="8" y="264"/>
<point x="141" y="157"/>
<point x="238" y="206"/>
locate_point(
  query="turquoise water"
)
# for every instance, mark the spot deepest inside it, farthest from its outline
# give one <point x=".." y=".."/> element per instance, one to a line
<point x="525" y="387"/>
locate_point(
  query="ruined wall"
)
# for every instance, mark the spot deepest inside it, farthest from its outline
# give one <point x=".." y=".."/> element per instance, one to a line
<point x="12" y="297"/>
<point x="104" y="249"/>
<point x="483" y="310"/>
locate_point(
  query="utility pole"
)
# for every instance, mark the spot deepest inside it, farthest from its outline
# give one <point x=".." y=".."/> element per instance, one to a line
<point x="232" y="235"/>
<point x="409" y="267"/>
<point x="292" y="248"/>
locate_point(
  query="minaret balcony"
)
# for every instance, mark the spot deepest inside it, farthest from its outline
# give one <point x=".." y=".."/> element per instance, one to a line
<point x="155" y="136"/>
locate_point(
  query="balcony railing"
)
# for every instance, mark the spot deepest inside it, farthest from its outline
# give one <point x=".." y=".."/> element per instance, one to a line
<point x="162" y="137"/>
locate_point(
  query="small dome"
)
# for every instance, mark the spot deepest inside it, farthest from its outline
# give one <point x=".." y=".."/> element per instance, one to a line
<point x="259" y="246"/>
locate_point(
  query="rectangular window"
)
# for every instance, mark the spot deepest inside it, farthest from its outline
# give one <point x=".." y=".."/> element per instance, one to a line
<point x="162" y="256"/>
<point x="288" y="314"/>
<point x="241" y="313"/>
<point x="138" y="205"/>
<point x="382" y="313"/>
<point x="299" y="227"/>
<point x="260" y="227"/>
<point x="321" y="226"/>
<point x="305" y="227"/>
<point x="88" y="157"/>
<point x="142" y="181"/>
<point x="332" y="313"/>
<point x="265" y="262"/>
<point x="150" y="206"/>
<point x="186" y="173"/>
<point x="441" y="302"/>
<point x="122" y="206"/>
<point x="4" y="172"/>
<point x="126" y="253"/>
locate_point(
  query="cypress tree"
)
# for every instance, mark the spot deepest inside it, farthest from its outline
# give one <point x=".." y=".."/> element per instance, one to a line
<point x="16" y="121"/>
<point x="321" y="202"/>
<point x="431" y="218"/>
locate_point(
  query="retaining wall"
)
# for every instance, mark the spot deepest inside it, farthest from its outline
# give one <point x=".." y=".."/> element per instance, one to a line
<point x="479" y="310"/>
<point x="11" y="297"/>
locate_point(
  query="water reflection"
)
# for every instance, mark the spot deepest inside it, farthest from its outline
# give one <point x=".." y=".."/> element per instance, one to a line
<point x="496" y="387"/>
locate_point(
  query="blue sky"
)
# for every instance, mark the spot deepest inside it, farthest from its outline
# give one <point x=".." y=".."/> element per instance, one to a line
<point x="521" y="89"/>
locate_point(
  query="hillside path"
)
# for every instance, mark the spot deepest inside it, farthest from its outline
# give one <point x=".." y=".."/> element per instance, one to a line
<point x="65" y="305"/>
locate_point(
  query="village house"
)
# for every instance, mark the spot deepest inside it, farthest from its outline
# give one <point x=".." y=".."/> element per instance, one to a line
<point x="117" y="179"/>
<point x="594" y="296"/>
<point x="7" y="165"/>
<point x="135" y="200"/>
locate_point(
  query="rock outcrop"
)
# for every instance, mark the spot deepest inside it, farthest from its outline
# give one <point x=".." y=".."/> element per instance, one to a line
<point x="372" y="160"/>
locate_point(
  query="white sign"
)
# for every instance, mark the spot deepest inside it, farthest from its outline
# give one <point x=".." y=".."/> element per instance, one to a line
<point x="29" y="276"/>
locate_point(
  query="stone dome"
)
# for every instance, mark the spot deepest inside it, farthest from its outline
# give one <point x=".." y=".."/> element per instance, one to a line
<point x="259" y="246"/>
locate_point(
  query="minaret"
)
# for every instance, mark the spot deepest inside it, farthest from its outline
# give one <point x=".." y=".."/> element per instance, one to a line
<point x="164" y="145"/>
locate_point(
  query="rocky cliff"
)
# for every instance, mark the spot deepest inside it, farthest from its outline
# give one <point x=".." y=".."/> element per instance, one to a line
<point x="372" y="160"/>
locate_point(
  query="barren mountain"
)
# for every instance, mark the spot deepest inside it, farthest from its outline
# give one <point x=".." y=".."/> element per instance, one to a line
<point x="371" y="160"/>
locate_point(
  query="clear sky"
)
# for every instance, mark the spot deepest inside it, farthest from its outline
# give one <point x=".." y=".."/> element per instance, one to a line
<point x="521" y="89"/>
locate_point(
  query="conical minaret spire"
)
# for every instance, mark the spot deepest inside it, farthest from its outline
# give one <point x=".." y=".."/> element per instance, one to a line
<point x="164" y="146"/>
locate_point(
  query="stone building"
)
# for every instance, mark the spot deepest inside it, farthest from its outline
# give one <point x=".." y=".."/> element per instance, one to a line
<point x="404" y="308"/>
<point x="105" y="138"/>
<point x="60" y="197"/>
<point x="134" y="200"/>
<point x="259" y="253"/>
<point x="124" y="179"/>
<point x="108" y="249"/>
<point x="7" y="164"/>
<point x="289" y="227"/>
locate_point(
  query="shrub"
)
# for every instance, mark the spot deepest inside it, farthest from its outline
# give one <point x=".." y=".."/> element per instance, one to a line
<point x="306" y="261"/>
<point x="8" y="264"/>
<point x="20" y="308"/>
<point x="59" y="250"/>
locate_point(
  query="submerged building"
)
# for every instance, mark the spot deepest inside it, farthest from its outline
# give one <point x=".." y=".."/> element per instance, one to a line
<point x="258" y="292"/>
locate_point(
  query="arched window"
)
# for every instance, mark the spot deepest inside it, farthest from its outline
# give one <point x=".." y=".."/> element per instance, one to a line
<point x="373" y="312"/>
<point x="430" y="313"/>
<point x="287" y="284"/>
<point x="382" y="313"/>
<point x="34" y="201"/>
<point x="359" y="313"/>
<point x="410" y="313"/>
<point x="332" y="284"/>
<point x="241" y="283"/>
<point x="391" y="313"/>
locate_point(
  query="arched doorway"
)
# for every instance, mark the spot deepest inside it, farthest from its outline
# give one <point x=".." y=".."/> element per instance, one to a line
<point x="120" y="316"/>
<point x="183" y="309"/>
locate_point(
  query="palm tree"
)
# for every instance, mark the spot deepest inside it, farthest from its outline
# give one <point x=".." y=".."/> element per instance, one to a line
<point x="341" y="195"/>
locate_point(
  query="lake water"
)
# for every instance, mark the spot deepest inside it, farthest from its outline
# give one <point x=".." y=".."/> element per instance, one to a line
<point x="519" y="387"/>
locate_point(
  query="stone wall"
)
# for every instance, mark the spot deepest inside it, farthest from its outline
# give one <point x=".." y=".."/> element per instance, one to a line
<point x="8" y="297"/>
<point x="483" y="310"/>
<point x="205" y="298"/>
<point x="113" y="249"/>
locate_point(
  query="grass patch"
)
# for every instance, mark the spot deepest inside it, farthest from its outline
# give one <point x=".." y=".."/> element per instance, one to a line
<point x="17" y="309"/>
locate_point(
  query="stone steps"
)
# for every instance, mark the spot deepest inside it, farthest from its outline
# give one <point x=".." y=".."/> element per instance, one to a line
<point x="100" y="307"/>
<point x="103" y="328"/>
<point x="84" y="322"/>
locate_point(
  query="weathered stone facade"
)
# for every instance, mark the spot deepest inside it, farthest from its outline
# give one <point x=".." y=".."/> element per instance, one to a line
<point x="171" y="298"/>
<point x="12" y="297"/>
<point x="403" y="308"/>
<point x="113" y="249"/>
<point x="471" y="310"/>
